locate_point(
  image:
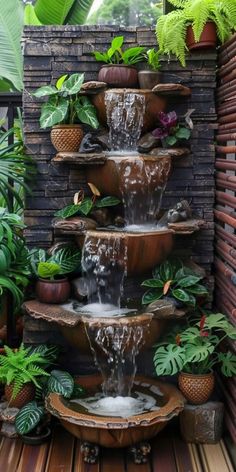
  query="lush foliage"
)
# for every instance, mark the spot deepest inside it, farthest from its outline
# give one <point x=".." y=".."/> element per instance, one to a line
<point x="64" y="104"/>
<point x="14" y="265"/>
<point x="62" y="261"/>
<point x="126" y="13"/>
<point x="84" y="205"/>
<point x="171" y="28"/>
<point x="169" y="130"/>
<point x="115" y="54"/>
<point x="19" y="367"/>
<point x="195" y="349"/>
<point x="173" y="279"/>
<point x="29" y="417"/>
<point x="152" y="57"/>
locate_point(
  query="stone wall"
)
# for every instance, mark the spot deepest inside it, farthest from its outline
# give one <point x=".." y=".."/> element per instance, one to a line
<point x="52" y="51"/>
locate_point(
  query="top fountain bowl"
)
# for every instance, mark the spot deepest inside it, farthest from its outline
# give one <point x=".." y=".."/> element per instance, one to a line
<point x="153" y="105"/>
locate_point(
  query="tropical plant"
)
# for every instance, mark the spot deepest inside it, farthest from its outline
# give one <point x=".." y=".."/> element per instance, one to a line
<point x="115" y="54"/>
<point x="16" y="170"/>
<point x="20" y="367"/>
<point x="84" y="205"/>
<point x="153" y="59"/>
<point x="62" y="261"/>
<point x="173" y="279"/>
<point x="171" y="28"/>
<point x="169" y="130"/>
<point x="64" y="104"/>
<point x="196" y="349"/>
<point x="14" y="264"/>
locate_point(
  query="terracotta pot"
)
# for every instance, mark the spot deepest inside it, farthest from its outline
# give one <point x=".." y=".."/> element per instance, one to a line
<point x="26" y="395"/>
<point x="208" y="38"/>
<point x="67" y="138"/>
<point x="118" y="75"/>
<point x="196" y="388"/>
<point x="52" y="291"/>
<point x="153" y="105"/>
<point x="149" y="78"/>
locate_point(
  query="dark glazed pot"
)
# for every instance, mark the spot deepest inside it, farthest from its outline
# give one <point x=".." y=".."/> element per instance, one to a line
<point x="118" y="75"/>
<point x="149" y="78"/>
<point x="197" y="389"/>
<point x="208" y="38"/>
<point x="37" y="439"/>
<point x="52" y="291"/>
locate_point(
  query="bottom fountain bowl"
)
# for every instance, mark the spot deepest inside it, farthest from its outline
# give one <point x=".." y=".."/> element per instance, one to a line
<point x="114" y="431"/>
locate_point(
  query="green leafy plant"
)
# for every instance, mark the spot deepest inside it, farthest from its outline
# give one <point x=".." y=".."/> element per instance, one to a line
<point x="171" y="28"/>
<point x="29" y="417"/>
<point x="19" y="367"/>
<point x="84" y="205"/>
<point x="61" y="382"/>
<point x="65" y="104"/>
<point x="153" y="59"/>
<point x="62" y="261"/>
<point x="195" y="349"/>
<point x="173" y="279"/>
<point x="115" y="54"/>
<point x="169" y="130"/>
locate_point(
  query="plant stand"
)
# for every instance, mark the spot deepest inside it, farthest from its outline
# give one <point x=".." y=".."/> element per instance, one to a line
<point x="202" y="423"/>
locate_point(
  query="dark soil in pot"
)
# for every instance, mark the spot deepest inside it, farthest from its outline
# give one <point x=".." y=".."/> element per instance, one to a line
<point x="34" y="439"/>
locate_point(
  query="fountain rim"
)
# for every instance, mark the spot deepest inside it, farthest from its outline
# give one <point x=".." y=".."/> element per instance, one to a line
<point x="173" y="407"/>
<point x="126" y="234"/>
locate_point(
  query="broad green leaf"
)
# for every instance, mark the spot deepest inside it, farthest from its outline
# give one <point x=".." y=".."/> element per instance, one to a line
<point x="183" y="133"/>
<point x="133" y="55"/>
<point x="61" y="382"/>
<point x="169" y="360"/>
<point x="191" y="334"/>
<point x="165" y="270"/>
<point x="61" y="81"/>
<point x="28" y="418"/>
<point x="68" y="258"/>
<point x="73" y="84"/>
<point x="188" y="281"/>
<point x="228" y="363"/>
<point x="101" y="57"/>
<point x="53" y="112"/>
<point x="79" y="12"/>
<point x="198" y="352"/>
<point x="30" y="17"/>
<point x="48" y="270"/>
<point x="170" y="140"/>
<point x="181" y="295"/>
<point x="117" y="42"/>
<point x="45" y="91"/>
<point x="198" y="289"/>
<point x="11" y="27"/>
<point x="86" y="206"/>
<point x="86" y="112"/>
<point x="153" y="283"/>
<point x="51" y="12"/>
<point x="216" y="320"/>
<point x="67" y="211"/>
<point x="151" y="296"/>
<point x="107" y="202"/>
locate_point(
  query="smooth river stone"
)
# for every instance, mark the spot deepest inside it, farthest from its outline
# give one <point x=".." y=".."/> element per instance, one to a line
<point x="147" y="142"/>
<point x="74" y="224"/>
<point x="93" y="86"/>
<point x="202" y="423"/>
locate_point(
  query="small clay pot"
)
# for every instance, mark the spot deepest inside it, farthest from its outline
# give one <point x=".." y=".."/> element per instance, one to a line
<point x="37" y="439"/>
<point x="25" y="395"/>
<point x="149" y="78"/>
<point x="67" y="138"/>
<point x="52" y="291"/>
<point x="208" y="38"/>
<point x="197" y="389"/>
<point x="118" y="75"/>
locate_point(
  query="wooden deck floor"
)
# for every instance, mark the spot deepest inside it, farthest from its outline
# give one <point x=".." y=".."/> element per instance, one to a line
<point x="62" y="454"/>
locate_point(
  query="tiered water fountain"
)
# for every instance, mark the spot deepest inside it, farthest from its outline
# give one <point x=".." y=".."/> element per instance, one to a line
<point x="119" y="409"/>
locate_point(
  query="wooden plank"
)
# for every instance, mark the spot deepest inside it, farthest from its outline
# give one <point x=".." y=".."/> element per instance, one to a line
<point x="33" y="458"/>
<point x="213" y="458"/>
<point x="10" y="452"/>
<point x="163" y="458"/>
<point x="60" y="457"/>
<point x="80" y="465"/>
<point x="183" y="456"/>
<point x="197" y="467"/>
<point x="112" y="460"/>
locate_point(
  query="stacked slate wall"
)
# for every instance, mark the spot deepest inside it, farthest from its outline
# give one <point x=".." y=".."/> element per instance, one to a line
<point x="53" y="51"/>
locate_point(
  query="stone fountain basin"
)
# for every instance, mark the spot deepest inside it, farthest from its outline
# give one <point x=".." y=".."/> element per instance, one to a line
<point x="153" y="105"/>
<point x="116" y="431"/>
<point x="143" y="250"/>
<point x="126" y="173"/>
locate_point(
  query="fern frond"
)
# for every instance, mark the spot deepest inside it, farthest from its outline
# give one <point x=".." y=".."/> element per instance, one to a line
<point x="171" y="34"/>
<point x="198" y="12"/>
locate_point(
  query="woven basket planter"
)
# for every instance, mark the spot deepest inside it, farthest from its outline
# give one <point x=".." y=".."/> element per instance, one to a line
<point x="25" y="395"/>
<point x="196" y="388"/>
<point x="67" y="138"/>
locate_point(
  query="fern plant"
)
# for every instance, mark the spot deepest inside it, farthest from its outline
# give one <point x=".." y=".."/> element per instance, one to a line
<point x="20" y="367"/>
<point x="171" y="28"/>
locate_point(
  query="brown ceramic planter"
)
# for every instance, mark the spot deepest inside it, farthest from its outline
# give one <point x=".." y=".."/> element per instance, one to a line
<point x="67" y="138"/>
<point x="208" y="38"/>
<point x="196" y="388"/>
<point x="118" y="75"/>
<point x="26" y="395"/>
<point x="52" y="291"/>
<point x="149" y="78"/>
<point x="112" y="431"/>
<point x="153" y="105"/>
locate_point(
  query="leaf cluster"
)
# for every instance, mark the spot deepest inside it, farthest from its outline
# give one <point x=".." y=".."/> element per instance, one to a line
<point x="195" y="349"/>
<point x="116" y="55"/>
<point x="153" y="59"/>
<point x="62" y="261"/>
<point x="172" y="278"/>
<point x="171" y="28"/>
<point x="85" y="205"/>
<point x="65" y="104"/>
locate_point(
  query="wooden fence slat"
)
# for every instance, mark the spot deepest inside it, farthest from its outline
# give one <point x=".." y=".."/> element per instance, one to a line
<point x="33" y="458"/>
<point x="60" y="457"/>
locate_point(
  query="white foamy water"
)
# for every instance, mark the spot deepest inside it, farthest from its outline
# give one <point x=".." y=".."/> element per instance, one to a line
<point x="145" y="228"/>
<point x="119" y="406"/>
<point x="102" y="310"/>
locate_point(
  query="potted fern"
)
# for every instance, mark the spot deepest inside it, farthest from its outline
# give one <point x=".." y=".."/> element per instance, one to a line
<point x="195" y="24"/>
<point x="65" y="110"/>
<point x="52" y="286"/>
<point x="194" y="352"/>
<point x="151" y="76"/>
